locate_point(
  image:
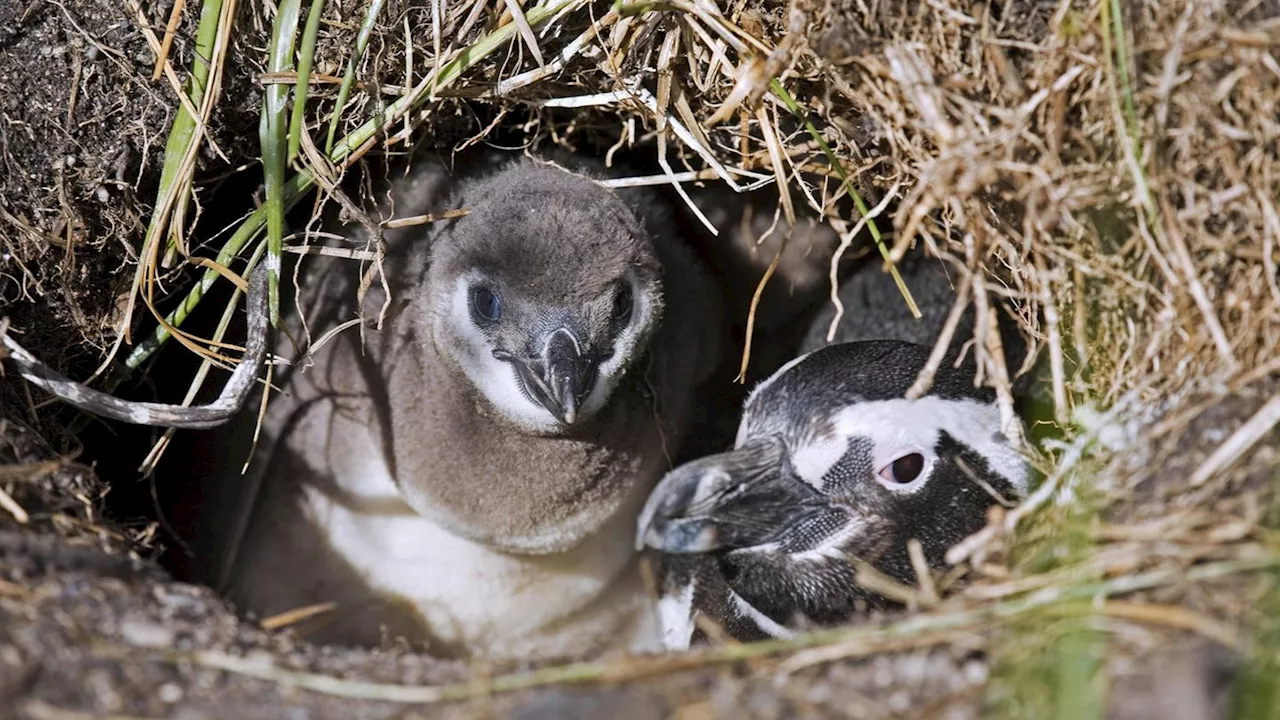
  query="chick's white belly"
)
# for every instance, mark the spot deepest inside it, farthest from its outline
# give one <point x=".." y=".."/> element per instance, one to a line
<point x="488" y="602"/>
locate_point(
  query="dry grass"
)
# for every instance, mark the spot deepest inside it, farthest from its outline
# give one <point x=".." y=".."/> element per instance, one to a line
<point x="1112" y="169"/>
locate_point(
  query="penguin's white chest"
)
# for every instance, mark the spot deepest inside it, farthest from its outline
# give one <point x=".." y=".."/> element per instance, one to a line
<point x="492" y="603"/>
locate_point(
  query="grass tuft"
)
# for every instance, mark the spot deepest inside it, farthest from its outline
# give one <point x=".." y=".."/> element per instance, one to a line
<point x="273" y="137"/>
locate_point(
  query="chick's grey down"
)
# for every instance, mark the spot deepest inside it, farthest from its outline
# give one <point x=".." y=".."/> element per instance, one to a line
<point x="470" y="479"/>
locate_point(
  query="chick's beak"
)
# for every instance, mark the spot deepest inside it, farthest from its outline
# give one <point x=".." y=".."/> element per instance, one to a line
<point x="561" y="378"/>
<point x="740" y="498"/>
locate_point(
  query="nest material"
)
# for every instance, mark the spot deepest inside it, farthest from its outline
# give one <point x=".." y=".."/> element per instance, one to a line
<point x="1110" y="168"/>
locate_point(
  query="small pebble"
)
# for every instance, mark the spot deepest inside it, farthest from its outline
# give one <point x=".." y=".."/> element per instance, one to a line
<point x="181" y="596"/>
<point x="169" y="693"/>
<point x="883" y="672"/>
<point x="819" y="693"/>
<point x="262" y="658"/>
<point x="202" y="635"/>
<point x="102" y="688"/>
<point x="141" y="632"/>
<point x="102" y="195"/>
<point x="911" y="669"/>
<point x="899" y="701"/>
<point x="1214" y="435"/>
<point x="976" y="672"/>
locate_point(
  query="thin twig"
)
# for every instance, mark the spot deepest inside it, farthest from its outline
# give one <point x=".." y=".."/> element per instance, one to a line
<point x="924" y="379"/>
<point x="162" y="56"/>
<point x="412" y="220"/>
<point x="1245" y="437"/>
<point x="759" y="292"/>
<point x="158" y="414"/>
<point x="296" y="615"/>
<point x="12" y="507"/>
<point x="924" y="576"/>
<point x="846" y="240"/>
<point x="526" y="32"/>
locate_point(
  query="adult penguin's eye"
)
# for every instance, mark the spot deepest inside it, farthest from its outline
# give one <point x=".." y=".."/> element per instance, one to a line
<point x="904" y="470"/>
<point x="622" y="303"/>
<point x="485" y="305"/>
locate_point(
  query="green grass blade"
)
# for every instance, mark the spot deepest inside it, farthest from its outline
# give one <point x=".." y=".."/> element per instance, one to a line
<point x="1122" y="65"/>
<point x="182" y="133"/>
<point x="306" y="57"/>
<point x="1115" y="50"/>
<point x="1257" y="692"/>
<point x="1079" y="653"/>
<point x="272" y="129"/>
<point x="349" y="78"/>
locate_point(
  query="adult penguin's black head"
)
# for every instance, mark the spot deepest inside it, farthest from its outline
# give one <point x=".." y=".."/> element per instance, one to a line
<point x="832" y="462"/>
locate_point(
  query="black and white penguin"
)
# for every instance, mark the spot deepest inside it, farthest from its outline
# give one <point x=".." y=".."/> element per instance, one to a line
<point x="469" y="477"/>
<point x="831" y="462"/>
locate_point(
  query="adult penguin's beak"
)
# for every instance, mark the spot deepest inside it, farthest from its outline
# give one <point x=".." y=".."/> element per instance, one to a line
<point x="740" y="498"/>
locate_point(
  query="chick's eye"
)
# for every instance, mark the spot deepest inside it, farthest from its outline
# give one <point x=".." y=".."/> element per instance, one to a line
<point x="622" y="306"/>
<point x="485" y="304"/>
<point x="904" y="470"/>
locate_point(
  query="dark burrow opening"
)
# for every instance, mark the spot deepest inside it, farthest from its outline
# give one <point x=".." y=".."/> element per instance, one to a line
<point x="156" y="509"/>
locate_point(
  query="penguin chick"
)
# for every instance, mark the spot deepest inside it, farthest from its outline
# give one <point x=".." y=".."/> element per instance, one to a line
<point x="830" y="463"/>
<point x="469" y="478"/>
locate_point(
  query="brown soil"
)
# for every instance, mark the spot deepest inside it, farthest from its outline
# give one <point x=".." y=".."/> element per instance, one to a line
<point x="82" y="134"/>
